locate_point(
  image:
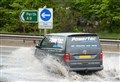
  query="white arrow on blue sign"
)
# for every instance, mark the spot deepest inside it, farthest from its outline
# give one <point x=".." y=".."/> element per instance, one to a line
<point x="45" y="15"/>
<point x="45" y="18"/>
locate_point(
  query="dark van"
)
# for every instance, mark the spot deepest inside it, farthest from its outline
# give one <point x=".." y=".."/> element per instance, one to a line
<point x="79" y="51"/>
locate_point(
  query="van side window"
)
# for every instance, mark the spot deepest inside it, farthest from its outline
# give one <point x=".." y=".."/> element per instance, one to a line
<point x="53" y="42"/>
<point x="45" y="43"/>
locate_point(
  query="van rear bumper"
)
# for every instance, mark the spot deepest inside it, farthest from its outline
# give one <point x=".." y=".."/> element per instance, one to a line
<point x="86" y="68"/>
<point x="79" y="65"/>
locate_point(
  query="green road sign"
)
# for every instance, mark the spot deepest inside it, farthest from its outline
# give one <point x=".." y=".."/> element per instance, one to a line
<point x="30" y="16"/>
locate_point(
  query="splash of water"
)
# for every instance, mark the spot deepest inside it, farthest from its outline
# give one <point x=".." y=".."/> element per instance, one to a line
<point x="22" y="66"/>
<point x="54" y="66"/>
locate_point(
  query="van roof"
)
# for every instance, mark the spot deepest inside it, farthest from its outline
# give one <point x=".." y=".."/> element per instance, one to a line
<point x="73" y="34"/>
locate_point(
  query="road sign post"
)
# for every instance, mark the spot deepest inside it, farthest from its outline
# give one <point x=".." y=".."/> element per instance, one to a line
<point x="29" y="16"/>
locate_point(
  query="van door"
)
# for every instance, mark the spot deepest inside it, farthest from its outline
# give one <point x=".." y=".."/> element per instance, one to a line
<point x="52" y="45"/>
<point x="83" y="47"/>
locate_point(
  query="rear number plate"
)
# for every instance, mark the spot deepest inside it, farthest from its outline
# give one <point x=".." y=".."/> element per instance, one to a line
<point x="85" y="56"/>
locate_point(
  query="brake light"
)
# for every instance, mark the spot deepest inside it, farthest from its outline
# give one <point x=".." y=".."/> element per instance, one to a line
<point x="66" y="57"/>
<point x="101" y="56"/>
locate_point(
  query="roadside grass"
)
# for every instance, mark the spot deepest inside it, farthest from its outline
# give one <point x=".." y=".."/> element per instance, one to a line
<point x="101" y="35"/>
<point x="109" y="35"/>
<point x="18" y="33"/>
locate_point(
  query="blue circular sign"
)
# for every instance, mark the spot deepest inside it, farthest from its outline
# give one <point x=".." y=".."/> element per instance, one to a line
<point x="45" y="15"/>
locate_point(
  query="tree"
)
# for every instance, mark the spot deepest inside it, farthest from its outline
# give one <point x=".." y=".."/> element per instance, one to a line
<point x="69" y="15"/>
<point x="97" y="15"/>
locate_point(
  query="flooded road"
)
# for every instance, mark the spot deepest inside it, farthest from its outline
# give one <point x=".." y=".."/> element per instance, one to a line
<point x="18" y="64"/>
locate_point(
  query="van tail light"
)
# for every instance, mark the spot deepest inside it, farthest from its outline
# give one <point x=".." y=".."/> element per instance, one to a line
<point x="101" y="55"/>
<point x="66" y="57"/>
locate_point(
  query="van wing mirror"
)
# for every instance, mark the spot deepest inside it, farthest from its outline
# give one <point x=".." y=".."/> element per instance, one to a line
<point x="37" y="46"/>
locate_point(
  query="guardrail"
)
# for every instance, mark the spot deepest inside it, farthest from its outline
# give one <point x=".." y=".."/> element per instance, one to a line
<point x="111" y="41"/>
<point x="39" y="38"/>
<point x="21" y="37"/>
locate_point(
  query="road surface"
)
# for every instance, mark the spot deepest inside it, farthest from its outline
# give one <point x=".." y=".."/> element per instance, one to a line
<point x="19" y="64"/>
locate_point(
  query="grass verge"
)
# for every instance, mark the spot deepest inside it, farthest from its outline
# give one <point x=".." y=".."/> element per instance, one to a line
<point x="105" y="35"/>
<point x="101" y="35"/>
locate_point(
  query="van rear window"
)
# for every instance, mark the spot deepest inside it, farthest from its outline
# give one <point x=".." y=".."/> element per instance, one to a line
<point x="74" y="43"/>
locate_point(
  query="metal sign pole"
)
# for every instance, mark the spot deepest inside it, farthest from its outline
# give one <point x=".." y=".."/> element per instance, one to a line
<point x="45" y="32"/>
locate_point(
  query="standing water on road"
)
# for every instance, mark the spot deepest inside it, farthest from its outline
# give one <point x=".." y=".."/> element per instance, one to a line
<point x="21" y="65"/>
